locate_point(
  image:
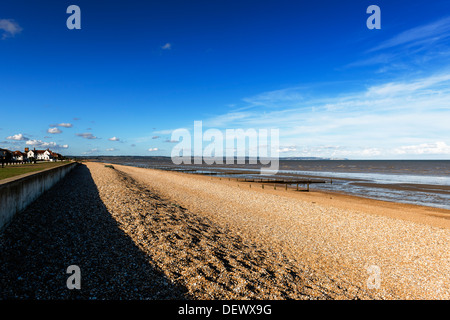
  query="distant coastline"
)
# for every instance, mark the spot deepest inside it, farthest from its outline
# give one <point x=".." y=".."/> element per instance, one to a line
<point x="168" y="158"/>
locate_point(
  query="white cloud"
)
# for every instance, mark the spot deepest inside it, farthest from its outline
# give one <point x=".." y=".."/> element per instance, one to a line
<point x="439" y="148"/>
<point x="54" y="130"/>
<point x="65" y="125"/>
<point x="45" y="145"/>
<point x="86" y="135"/>
<point x="370" y="152"/>
<point x="287" y="149"/>
<point x="167" y="131"/>
<point x="364" y="124"/>
<point x="114" y="139"/>
<point x="153" y="149"/>
<point x="91" y="151"/>
<point x="227" y="119"/>
<point x="9" y="27"/>
<point x="17" y="137"/>
<point x="111" y="149"/>
<point x="432" y="84"/>
<point x="167" y="46"/>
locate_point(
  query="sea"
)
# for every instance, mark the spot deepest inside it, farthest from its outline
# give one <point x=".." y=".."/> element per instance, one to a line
<point x="420" y="182"/>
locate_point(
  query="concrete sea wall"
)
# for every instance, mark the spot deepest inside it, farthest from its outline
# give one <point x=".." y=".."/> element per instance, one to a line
<point x="17" y="193"/>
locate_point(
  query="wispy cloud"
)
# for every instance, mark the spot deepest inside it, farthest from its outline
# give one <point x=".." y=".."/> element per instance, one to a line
<point x="267" y="99"/>
<point x="374" y="122"/>
<point x="114" y="139"/>
<point x="287" y="149"/>
<point x="152" y="149"/>
<point x="167" y="46"/>
<point x="9" y="28"/>
<point x="419" y="36"/>
<point x="434" y="84"/>
<point x="154" y="135"/>
<point x="65" y="125"/>
<point x="412" y="49"/>
<point x="165" y="131"/>
<point x="91" y="151"/>
<point x="86" y="135"/>
<point x="383" y="58"/>
<point x="439" y="147"/>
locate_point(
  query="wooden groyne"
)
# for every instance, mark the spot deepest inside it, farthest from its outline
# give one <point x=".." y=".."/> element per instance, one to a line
<point x="285" y="182"/>
<point x="263" y="181"/>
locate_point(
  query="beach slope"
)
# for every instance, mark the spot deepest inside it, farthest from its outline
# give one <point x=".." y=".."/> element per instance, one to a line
<point x="224" y="239"/>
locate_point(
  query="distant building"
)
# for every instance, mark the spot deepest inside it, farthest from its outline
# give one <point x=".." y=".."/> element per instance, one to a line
<point x="12" y="157"/>
<point x="19" y="156"/>
<point x="57" y="156"/>
<point x="4" y="153"/>
<point x="6" y="156"/>
<point x="30" y="154"/>
<point x="43" y="155"/>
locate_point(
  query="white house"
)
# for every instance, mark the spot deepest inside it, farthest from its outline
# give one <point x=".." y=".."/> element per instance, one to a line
<point x="30" y="153"/>
<point x="19" y="156"/>
<point x="40" y="154"/>
<point x="43" y="155"/>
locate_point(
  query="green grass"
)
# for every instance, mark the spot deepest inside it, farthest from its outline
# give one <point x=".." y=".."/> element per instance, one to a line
<point x="15" y="170"/>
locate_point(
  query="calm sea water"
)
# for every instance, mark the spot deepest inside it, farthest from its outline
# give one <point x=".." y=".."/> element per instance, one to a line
<point x="423" y="182"/>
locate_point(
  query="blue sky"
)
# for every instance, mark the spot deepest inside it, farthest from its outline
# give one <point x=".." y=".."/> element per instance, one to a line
<point x="137" y="70"/>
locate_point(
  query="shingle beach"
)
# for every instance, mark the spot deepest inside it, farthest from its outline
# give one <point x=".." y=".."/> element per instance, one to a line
<point x="141" y="233"/>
